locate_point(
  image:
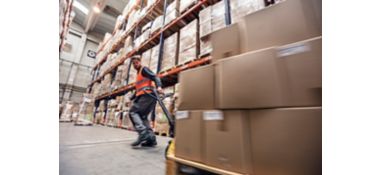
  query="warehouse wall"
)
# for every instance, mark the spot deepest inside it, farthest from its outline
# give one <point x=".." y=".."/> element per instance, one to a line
<point x="75" y="65"/>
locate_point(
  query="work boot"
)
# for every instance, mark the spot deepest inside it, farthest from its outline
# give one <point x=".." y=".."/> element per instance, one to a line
<point x="151" y="142"/>
<point x="143" y="136"/>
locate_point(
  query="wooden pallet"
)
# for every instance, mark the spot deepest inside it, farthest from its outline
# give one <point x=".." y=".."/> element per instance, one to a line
<point x="205" y="55"/>
<point x="162" y="133"/>
<point x="197" y="165"/>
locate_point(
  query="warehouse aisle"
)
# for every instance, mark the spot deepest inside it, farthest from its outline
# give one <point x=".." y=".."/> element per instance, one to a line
<point x="104" y="150"/>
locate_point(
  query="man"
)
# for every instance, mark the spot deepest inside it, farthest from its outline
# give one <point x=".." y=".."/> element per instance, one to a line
<point x="143" y="103"/>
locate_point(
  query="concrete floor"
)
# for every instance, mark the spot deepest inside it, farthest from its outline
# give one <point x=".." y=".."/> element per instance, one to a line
<point x="99" y="150"/>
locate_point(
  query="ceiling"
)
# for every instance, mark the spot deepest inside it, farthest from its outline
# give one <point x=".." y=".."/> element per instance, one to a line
<point x="98" y="23"/>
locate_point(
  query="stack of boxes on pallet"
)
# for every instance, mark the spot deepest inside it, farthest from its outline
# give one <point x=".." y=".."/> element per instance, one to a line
<point x="172" y="11"/>
<point x="258" y="108"/>
<point x="86" y="108"/>
<point x="189" y="42"/>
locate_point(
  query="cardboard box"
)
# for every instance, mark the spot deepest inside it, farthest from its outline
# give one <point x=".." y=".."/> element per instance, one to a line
<point x="205" y="26"/>
<point x="145" y="58"/>
<point x="241" y="8"/>
<point x="205" y="46"/>
<point x="157" y="24"/>
<point x="170" y="54"/>
<point x="227" y="140"/>
<point x="189" y="137"/>
<point x="154" y="59"/>
<point x="285" y="22"/>
<point x="218" y="16"/>
<point x="287" y="141"/>
<point x="172" y="11"/>
<point x="273" y="77"/>
<point x="221" y="48"/>
<point x="189" y="42"/>
<point x="193" y="93"/>
<point x="185" y="4"/>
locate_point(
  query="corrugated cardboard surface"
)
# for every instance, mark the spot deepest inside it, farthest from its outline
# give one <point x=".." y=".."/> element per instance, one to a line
<point x="185" y="4"/>
<point x="189" y="42"/>
<point x="170" y="54"/>
<point x="286" y="22"/>
<point x="145" y="58"/>
<point x="227" y="142"/>
<point x="154" y="59"/>
<point x="221" y="48"/>
<point x="287" y="141"/>
<point x="189" y="136"/>
<point x="196" y="89"/>
<point x="265" y="79"/>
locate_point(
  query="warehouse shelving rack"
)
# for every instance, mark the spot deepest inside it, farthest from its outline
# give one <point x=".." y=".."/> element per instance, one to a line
<point x="65" y="22"/>
<point x="156" y="37"/>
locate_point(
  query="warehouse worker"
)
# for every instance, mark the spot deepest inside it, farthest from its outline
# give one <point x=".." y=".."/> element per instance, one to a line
<point x="143" y="103"/>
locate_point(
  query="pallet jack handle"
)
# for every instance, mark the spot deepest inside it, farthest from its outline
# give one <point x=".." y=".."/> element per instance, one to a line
<point x="164" y="109"/>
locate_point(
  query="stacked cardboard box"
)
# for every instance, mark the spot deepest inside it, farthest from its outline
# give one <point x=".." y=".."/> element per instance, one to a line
<point x="258" y="108"/>
<point x="154" y="58"/>
<point x="145" y="57"/>
<point x="161" y="121"/>
<point x="211" y="19"/>
<point x="68" y="111"/>
<point x="189" y="42"/>
<point x="132" y="75"/>
<point x="240" y="8"/>
<point x="142" y="38"/>
<point x="172" y="11"/>
<point x="117" y="81"/>
<point x="126" y="122"/>
<point x="218" y="16"/>
<point x="125" y="67"/>
<point x="128" y="44"/>
<point x="86" y="108"/>
<point x="157" y="24"/>
<point x="185" y="4"/>
<point x="170" y="54"/>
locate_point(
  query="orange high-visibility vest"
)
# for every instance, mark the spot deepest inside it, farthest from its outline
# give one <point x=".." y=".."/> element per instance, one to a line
<point x="143" y="82"/>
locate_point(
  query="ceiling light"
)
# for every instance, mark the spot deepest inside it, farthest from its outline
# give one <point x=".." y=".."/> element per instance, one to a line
<point x="81" y="7"/>
<point x="96" y="9"/>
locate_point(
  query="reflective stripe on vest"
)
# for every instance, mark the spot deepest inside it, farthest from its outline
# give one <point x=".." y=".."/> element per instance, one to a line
<point x="142" y="83"/>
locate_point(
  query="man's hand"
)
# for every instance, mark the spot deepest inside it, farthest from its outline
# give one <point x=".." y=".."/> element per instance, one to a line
<point x="160" y="91"/>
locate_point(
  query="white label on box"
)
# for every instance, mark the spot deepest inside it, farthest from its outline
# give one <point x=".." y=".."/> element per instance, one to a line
<point x="292" y="49"/>
<point x="182" y="115"/>
<point x="212" y="115"/>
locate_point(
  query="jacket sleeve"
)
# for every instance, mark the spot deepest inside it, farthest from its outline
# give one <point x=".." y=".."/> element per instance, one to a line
<point x="146" y="72"/>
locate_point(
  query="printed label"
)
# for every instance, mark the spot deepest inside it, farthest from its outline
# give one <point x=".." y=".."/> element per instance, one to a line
<point x="182" y="115"/>
<point x="292" y="49"/>
<point x="213" y="115"/>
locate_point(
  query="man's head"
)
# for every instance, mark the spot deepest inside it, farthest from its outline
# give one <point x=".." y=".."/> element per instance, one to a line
<point x="136" y="61"/>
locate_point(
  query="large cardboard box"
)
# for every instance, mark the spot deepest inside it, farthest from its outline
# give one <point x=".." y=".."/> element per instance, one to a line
<point x="196" y="88"/>
<point x="274" y="77"/>
<point x="285" y="22"/>
<point x="227" y="140"/>
<point x="287" y="141"/>
<point x="221" y="48"/>
<point x="189" y="135"/>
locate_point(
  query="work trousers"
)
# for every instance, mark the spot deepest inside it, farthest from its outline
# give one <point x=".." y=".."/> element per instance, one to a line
<point x="141" y="107"/>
